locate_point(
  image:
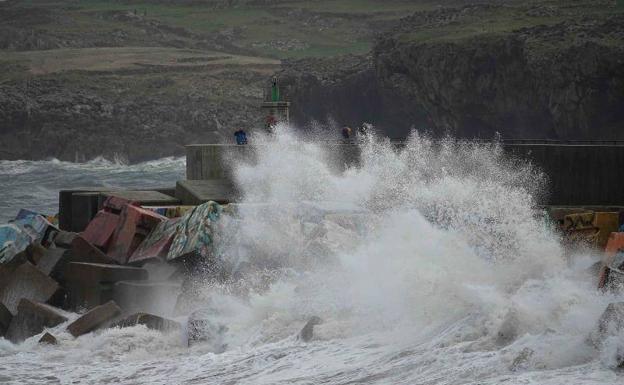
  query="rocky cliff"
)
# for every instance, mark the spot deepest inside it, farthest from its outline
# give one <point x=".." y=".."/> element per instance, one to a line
<point x="562" y="78"/>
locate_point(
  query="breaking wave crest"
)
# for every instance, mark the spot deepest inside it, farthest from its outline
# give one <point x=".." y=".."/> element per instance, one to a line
<point x="431" y="262"/>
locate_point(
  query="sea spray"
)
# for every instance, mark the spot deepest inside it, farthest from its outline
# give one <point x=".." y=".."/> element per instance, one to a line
<point x="414" y="258"/>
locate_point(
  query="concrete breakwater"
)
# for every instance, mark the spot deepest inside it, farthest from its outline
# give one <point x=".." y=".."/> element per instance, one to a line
<point x="579" y="173"/>
<point x="144" y="250"/>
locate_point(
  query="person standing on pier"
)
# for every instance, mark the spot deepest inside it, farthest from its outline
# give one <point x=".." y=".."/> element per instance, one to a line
<point x="346" y="132"/>
<point x="241" y="137"/>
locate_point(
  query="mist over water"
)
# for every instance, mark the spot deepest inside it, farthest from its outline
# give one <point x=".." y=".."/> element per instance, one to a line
<point x="415" y="260"/>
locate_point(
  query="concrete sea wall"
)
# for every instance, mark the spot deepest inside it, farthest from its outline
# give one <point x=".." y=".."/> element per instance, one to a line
<point x="579" y="173"/>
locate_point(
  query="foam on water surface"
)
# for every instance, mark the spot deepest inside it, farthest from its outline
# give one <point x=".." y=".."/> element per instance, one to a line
<point x="414" y="260"/>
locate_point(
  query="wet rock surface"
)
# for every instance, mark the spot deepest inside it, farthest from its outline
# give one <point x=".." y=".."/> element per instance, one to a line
<point x="32" y="318"/>
<point x="94" y="318"/>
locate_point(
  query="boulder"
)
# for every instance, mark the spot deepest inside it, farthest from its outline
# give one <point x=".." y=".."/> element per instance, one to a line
<point x="32" y="317"/>
<point x="48" y="339"/>
<point x="307" y="332"/>
<point x="91" y="284"/>
<point x="5" y="319"/>
<point x="94" y="318"/>
<point x="145" y="296"/>
<point x="150" y="321"/>
<point x="27" y="282"/>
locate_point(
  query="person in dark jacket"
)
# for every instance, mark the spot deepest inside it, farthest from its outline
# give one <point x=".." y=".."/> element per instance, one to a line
<point x="241" y="137"/>
<point x="346" y="132"/>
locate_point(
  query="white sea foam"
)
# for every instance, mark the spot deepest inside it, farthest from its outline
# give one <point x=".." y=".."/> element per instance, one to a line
<point x="414" y="260"/>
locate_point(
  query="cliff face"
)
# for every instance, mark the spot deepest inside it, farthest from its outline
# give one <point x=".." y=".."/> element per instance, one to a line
<point x="530" y="83"/>
<point x="72" y="118"/>
<point x="559" y="81"/>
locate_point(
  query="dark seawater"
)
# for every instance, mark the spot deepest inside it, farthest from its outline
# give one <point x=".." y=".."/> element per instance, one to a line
<point x="34" y="185"/>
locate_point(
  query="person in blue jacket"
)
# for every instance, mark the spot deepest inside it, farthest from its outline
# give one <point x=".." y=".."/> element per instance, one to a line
<point x="241" y="137"/>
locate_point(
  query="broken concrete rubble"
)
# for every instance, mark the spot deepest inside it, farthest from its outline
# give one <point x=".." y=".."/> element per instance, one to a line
<point x="32" y="317"/>
<point x="94" y="318"/>
<point x="150" y="321"/>
<point x="27" y="282"/>
<point x="48" y="339"/>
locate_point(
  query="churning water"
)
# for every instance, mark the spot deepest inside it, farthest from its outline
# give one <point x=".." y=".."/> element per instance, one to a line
<point x="428" y="251"/>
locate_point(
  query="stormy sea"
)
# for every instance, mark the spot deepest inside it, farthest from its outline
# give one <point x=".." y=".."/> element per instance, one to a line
<point x="431" y="263"/>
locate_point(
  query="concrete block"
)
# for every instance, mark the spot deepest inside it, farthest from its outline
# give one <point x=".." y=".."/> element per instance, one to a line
<point x="84" y="207"/>
<point x="591" y="227"/>
<point x="134" y="225"/>
<point x="32" y="317"/>
<point x="140" y="198"/>
<point x="51" y="263"/>
<point x="5" y="319"/>
<point x="195" y="232"/>
<point x="100" y="230"/>
<point x="145" y="296"/>
<point x="150" y="321"/>
<point x="27" y="282"/>
<point x="97" y="272"/>
<point x="48" y="339"/>
<point x="157" y="244"/>
<point x="91" y="284"/>
<point x="56" y="260"/>
<point x="83" y="251"/>
<point x="66" y="209"/>
<point x="196" y="192"/>
<point x="64" y="239"/>
<point x="615" y="244"/>
<point x="170" y="211"/>
<point x="94" y="318"/>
